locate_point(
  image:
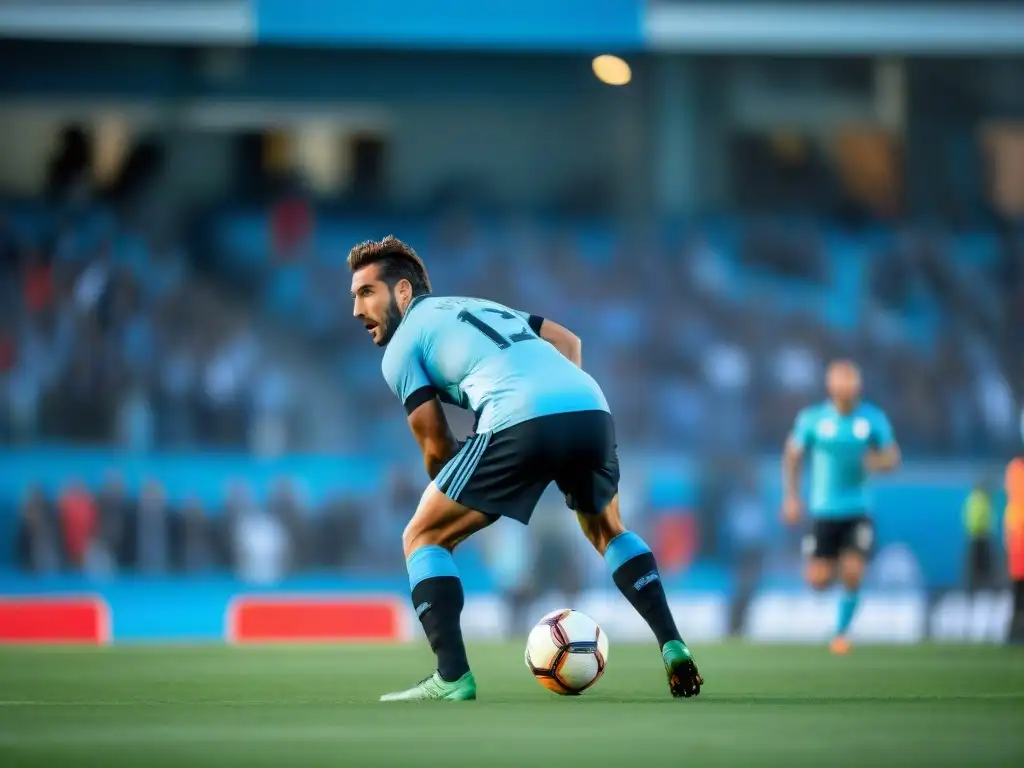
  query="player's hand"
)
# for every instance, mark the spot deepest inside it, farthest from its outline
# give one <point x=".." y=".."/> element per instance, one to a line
<point x="792" y="509"/>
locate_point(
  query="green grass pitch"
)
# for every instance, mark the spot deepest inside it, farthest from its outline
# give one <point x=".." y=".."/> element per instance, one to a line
<point x="295" y="706"/>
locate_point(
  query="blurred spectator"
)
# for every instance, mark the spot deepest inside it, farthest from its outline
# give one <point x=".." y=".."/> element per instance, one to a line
<point x="81" y="401"/>
<point x="509" y="552"/>
<point x="194" y="551"/>
<point x="167" y="271"/>
<point x="152" y="535"/>
<point x="747" y="524"/>
<point x="36" y="543"/>
<point x="271" y="406"/>
<point x="229" y="368"/>
<point x="8" y="244"/>
<point x="8" y="361"/>
<point x="261" y="545"/>
<point x="288" y="510"/>
<point x="978" y="528"/>
<point x="177" y="391"/>
<point x="38" y="282"/>
<point x="92" y="282"/>
<point x="378" y="534"/>
<point x="79" y="523"/>
<point x="69" y="170"/>
<point x="237" y="499"/>
<point x="115" y="518"/>
<point x="8" y="350"/>
<point x="291" y="224"/>
<point x="135" y="422"/>
<point x="342" y="534"/>
<point x="547" y="557"/>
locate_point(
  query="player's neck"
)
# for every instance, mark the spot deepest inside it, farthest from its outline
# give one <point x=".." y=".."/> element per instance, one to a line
<point x="412" y="303"/>
<point x="844" y="408"/>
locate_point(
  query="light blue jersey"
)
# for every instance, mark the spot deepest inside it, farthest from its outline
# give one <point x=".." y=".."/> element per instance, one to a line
<point x="836" y="445"/>
<point x="486" y="358"/>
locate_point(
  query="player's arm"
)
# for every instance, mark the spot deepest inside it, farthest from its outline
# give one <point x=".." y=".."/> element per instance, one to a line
<point x="403" y="369"/>
<point x="558" y="336"/>
<point x="883" y="459"/>
<point x="792" y="466"/>
<point x="430" y="428"/>
<point x="883" y="454"/>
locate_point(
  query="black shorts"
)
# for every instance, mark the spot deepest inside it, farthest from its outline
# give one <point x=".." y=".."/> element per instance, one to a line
<point x="504" y="473"/>
<point x="831" y="536"/>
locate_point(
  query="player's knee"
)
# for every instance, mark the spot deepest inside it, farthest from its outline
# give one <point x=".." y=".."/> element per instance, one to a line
<point x="852" y="572"/>
<point x="818" y="576"/>
<point x="818" y="583"/>
<point x="416" y="535"/>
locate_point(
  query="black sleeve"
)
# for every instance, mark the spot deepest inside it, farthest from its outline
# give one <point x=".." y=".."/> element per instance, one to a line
<point x="418" y="398"/>
<point x="536" y="321"/>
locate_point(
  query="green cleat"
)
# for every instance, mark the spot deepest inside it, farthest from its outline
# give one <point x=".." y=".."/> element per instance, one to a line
<point x="684" y="680"/>
<point x="436" y="688"/>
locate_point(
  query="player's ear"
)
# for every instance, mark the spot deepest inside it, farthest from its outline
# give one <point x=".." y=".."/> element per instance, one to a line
<point x="403" y="293"/>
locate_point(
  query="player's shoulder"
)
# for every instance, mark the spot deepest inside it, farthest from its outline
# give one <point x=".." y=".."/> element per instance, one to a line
<point x="431" y="307"/>
<point x="405" y="338"/>
<point x="471" y="302"/>
<point x="869" y="410"/>
<point x="394" y="355"/>
<point x="423" y="318"/>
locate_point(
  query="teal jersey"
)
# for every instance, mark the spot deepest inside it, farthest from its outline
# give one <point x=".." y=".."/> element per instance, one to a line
<point x="835" y="445"/>
<point x="486" y="358"/>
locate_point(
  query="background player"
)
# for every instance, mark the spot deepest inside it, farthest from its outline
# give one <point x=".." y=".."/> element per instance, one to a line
<point x="846" y="441"/>
<point x="540" y="419"/>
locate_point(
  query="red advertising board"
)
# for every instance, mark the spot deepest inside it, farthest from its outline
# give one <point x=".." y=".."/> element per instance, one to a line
<point x="39" y="620"/>
<point x="286" y="619"/>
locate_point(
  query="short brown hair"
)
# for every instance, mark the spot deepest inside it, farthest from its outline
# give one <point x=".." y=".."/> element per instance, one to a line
<point x="397" y="261"/>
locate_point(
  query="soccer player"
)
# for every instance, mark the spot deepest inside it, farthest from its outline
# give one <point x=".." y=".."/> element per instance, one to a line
<point x="846" y="440"/>
<point x="540" y="419"/>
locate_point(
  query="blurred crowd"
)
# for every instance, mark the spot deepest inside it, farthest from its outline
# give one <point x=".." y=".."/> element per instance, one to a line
<point x="107" y="336"/>
<point x="117" y="329"/>
<point x="112" y="529"/>
<point x="688" y="361"/>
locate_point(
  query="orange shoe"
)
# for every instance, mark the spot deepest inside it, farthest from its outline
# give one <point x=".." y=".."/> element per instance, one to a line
<point x="840" y="646"/>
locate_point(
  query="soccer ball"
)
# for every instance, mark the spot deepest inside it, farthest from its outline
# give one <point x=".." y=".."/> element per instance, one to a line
<point x="567" y="652"/>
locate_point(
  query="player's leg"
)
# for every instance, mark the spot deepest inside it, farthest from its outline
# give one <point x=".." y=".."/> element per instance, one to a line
<point x="819" y="573"/>
<point x="852" y="565"/>
<point x="437" y="527"/>
<point x="821" y="548"/>
<point x="588" y="474"/>
<point x="492" y="476"/>
<point x="635" y="572"/>
<point x="633" y="568"/>
<point x="851" y="574"/>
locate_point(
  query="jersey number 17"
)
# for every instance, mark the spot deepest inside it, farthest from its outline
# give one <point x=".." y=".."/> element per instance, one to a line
<point x="524" y="334"/>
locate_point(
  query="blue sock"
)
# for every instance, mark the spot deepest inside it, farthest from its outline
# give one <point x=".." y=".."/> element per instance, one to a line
<point x="636" y="575"/>
<point x="438" y="599"/>
<point x="847" y="608"/>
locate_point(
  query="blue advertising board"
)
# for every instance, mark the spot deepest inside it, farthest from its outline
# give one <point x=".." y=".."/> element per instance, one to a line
<point x="507" y="24"/>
